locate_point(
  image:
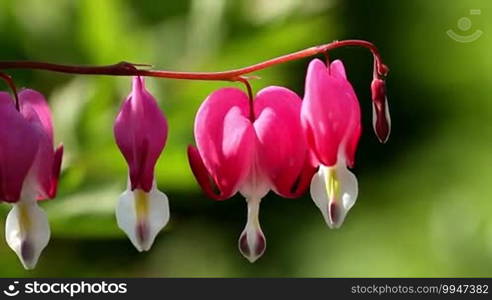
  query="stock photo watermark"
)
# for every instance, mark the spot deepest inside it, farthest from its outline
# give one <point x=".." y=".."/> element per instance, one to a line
<point x="70" y="289"/>
<point x="12" y="290"/>
<point x="466" y="33"/>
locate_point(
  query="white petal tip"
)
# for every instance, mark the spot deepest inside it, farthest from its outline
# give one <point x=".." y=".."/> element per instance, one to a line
<point x="334" y="226"/>
<point x="144" y="238"/>
<point x="336" y="215"/>
<point x="252" y="245"/>
<point x="252" y="242"/>
<point x="27" y="256"/>
<point x="27" y="232"/>
<point x="252" y="259"/>
<point x="334" y="191"/>
<point x="142" y="216"/>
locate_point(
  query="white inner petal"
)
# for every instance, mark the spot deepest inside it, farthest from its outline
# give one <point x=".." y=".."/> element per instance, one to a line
<point x="142" y="215"/>
<point x="334" y="191"/>
<point x="256" y="184"/>
<point x="252" y="242"/>
<point x="27" y="231"/>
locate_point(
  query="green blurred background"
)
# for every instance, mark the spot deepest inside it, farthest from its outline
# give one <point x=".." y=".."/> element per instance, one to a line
<point x="424" y="206"/>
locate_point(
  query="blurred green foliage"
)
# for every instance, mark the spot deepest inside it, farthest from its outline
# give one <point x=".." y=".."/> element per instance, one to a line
<point x="424" y="203"/>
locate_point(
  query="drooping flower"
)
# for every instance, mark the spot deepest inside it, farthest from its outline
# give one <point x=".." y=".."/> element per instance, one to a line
<point x="29" y="171"/>
<point x="330" y="117"/>
<point x="140" y="131"/>
<point x="250" y="152"/>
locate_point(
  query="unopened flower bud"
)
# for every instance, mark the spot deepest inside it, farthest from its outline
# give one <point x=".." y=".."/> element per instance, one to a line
<point x="381" y="120"/>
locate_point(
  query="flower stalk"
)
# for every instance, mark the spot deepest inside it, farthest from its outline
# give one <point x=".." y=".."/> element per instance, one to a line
<point x="132" y="69"/>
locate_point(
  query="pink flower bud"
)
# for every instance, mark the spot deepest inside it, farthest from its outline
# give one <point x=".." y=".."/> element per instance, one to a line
<point x="381" y="120"/>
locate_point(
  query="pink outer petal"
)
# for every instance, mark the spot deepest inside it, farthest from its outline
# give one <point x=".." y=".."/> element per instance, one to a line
<point x="203" y="178"/>
<point x="47" y="166"/>
<point x="47" y="163"/>
<point x="19" y="146"/>
<point x="304" y="180"/>
<point x="354" y="125"/>
<point x="330" y="113"/>
<point x="35" y="101"/>
<point x="354" y="133"/>
<point x="55" y="172"/>
<point x="140" y="131"/>
<point x="225" y="141"/>
<point x="281" y="147"/>
<point x="43" y="165"/>
<point x="337" y="69"/>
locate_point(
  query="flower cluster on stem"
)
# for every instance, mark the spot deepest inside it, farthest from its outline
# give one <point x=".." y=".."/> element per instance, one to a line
<point x="249" y="143"/>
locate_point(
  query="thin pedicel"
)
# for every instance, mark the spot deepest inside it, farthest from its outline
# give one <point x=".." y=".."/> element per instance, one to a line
<point x="131" y="69"/>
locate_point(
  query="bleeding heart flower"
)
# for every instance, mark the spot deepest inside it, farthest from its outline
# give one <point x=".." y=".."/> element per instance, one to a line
<point x="29" y="171"/>
<point x="250" y="152"/>
<point x="140" y="131"/>
<point x="330" y="117"/>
